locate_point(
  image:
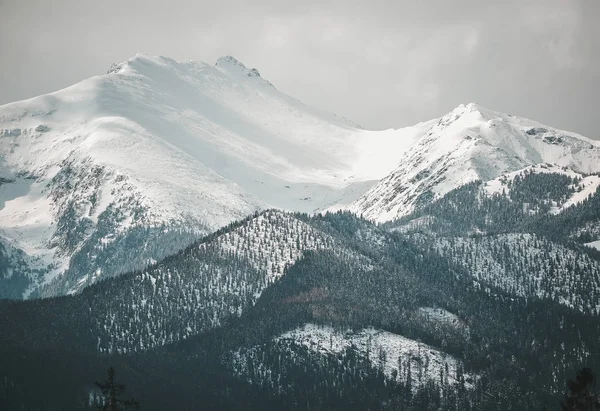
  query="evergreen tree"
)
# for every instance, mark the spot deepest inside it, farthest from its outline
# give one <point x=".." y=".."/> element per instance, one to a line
<point x="111" y="391"/>
<point x="581" y="395"/>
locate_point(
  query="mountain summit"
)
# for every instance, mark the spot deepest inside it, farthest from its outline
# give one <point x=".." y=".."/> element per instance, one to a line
<point x="472" y="143"/>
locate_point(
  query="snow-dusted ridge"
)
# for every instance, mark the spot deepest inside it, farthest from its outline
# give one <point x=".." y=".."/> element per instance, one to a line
<point x="587" y="185"/>
<point x="524" y="265"/>
<point x="399" y="357"/>
<point x="472" y="143"/>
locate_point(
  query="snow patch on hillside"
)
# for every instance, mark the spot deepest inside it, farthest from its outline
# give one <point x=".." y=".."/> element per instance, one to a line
<point x="588" y="186"/>
<point x="393" y="353"/>
<point x="441" y="316"/>
<point x="594" y="244"/>
<point x="416" y="224"/>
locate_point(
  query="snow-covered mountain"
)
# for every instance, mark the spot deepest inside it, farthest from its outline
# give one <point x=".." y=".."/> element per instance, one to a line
<point x="124" y="169"/>
<point x="93" y="178"/>
<point x="472" y="143"/>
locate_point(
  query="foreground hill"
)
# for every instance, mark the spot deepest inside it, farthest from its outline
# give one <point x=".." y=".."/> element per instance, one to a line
<point x="287" y="311"/>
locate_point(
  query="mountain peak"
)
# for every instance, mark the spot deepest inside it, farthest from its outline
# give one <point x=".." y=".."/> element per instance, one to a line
<point x="137" y="59"/>
<point x="472" y="106"/>
<point x="141" y="61"/>
<point x="467" y="108"/>
<point x="231" y="63"/>
<point x="464" y="115"/>
<point x="472" y="143"/>
<point x="116" y="67"/>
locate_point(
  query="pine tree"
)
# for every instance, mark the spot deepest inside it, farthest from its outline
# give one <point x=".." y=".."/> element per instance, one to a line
<point x="111" y="391"/>
<point x="581" y="395"/>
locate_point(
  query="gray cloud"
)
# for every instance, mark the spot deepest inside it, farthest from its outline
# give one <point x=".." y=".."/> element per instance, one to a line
<point x="381" y="63"/>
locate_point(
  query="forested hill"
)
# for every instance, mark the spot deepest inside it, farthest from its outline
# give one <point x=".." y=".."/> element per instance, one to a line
<point x="289" y="311"/>
<point x="554" y="202"/>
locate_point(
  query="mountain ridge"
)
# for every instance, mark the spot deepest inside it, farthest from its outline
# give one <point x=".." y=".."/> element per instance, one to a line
<point x="472" y="143"/>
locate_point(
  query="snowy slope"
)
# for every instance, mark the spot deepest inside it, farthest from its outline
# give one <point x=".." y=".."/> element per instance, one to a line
<point x="594" y="244"/>
<point x="439" y="316"/>
<point x="501" y="184"/>
<point x="587" y="185"/>
<point x="400" y="358"/>
<point x="160" y="143"/>
<point x="472" y="143"/>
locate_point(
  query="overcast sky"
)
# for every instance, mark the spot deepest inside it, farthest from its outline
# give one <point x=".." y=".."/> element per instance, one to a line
<point x="382" y="64"/>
